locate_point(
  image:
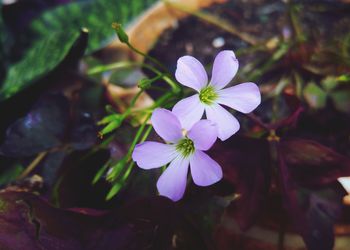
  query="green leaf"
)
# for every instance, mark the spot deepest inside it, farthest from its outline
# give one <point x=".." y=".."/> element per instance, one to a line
<point x="344" y="78"/>
<point x="100" y="172"/>
<point x="114" y="190"/>
<point x="53" y="34"/>
<point x="10" y="174"/>
<point x="39" y="60"/>
<point x="97" y="16"/>
<point x="329" y="83"/>
<point x="315" y="96"/>
<point x="341" y="100"/>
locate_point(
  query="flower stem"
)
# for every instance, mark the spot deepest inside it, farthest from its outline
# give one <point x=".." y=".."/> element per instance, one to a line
<point x="137" y="137"/>
<point x="120" y="65"/>
<point x="132" y="104"/>
<point x="112" y="66"/>
<point x="278" y="54"/>
<point x="258" y="121"/>
<point x="152" y="59"/>
<point x="119" y="183"/>
<point x="32" y="165"/>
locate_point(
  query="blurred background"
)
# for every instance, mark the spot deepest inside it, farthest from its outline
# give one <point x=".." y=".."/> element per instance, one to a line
<point x="65" y="78"/>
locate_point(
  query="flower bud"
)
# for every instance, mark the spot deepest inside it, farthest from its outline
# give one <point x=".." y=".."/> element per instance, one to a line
<point x="145" y="83"/>
<point x="123" y="37"/>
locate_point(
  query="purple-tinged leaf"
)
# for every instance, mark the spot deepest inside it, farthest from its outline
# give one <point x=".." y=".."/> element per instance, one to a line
<point x="289" y="121"/>
<point x="28" y="222"/>
<point x="245" y="164"/>
<point x="83" y="134"/>
<point x="41" y="129"/>
<point x="312" y="164"/>
<point x="295" y="110"/>
<point x="325" y="207"/>
<point x="312" y="212"/>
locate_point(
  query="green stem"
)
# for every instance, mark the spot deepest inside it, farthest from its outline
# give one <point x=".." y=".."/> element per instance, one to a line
<point x="137" y="137"/>
<point x="146" y="134"/>
<point x="152" y="59"/>
<point x="132" y="104"/>
<point x="132" y="163"/>
<point x="294" y="12"/>
<point x="276" y="56"/>
<point x="120" y="65"/>
<point x="112" y="66"/>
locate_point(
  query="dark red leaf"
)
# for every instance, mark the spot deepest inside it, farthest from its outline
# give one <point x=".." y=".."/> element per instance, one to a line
<point x="289" y="121"/>
<point x="245" y="163"/>
<point x="28" y="222"/>
<point x="312" y="212"/>
<point x="312" y="164"/>
<point x="42" y="128"/>
<point x="295" y="108"/>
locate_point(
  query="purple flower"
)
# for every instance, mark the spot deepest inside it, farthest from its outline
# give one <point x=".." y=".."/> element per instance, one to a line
<point x="244" y="97"/>
<point x="184" y="148"/>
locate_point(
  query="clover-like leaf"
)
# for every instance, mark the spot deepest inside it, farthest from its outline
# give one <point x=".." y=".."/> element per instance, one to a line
<point x="246" y="165"/>
<point x="41" y="129"/>
<point x="28" y="222"/>
<point x="315" y="96"/>
<point x="312" y="164"/>
<point x="313" y="212"/>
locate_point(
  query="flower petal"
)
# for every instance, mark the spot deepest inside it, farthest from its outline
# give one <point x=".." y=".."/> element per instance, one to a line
<point x="172" y="183"/>
<point x="203" y="134"/>
<point x="166" y="124"/>
<point x="151" y="154"/>
<point x="244" y="97"/>
<point x="189" y="111"/>
<point x="227" y="124"/>
<point x="191" y="73"/>
<point x="204" y="170"/>
<point x="224" y="69"/>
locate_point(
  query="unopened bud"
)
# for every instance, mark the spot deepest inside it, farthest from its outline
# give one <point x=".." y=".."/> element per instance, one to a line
<point x="123" y="37"/>
<point x="145" y="83"/>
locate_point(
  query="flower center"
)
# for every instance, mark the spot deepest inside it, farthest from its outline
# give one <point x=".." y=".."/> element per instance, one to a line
<point x="208" y="95"/>
<point x="185" y="147"/>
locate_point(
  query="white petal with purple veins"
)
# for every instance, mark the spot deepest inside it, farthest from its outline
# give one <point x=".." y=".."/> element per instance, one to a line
<point x="203" y="134"/>
<point x="244" y="97"/>
<point x="204" y="170"/>
<point x="227" y="124"/>
<point x="172" y="183"/>
<point x="189" y="111"/>
<point x="166" y="124"/>
<point x="150" y="155"/>
<point x="224" y="69"/>
<point x="191" y="73"/>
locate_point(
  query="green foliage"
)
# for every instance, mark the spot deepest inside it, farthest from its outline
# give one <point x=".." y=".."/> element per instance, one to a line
<point x="42" y="58"/>
<point x="341" y="100"/>
<point x="315" y="96"/>
<point x="97" y="16"/>
<point x="53" y="34"/>
<point x="329" y="83"/>
<point x="10" y="174"/>
<point x="123" y="37"/>
<point x="111" y="122"/>
<point x="334" y="88"/>
<point x="100" y="172"/>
